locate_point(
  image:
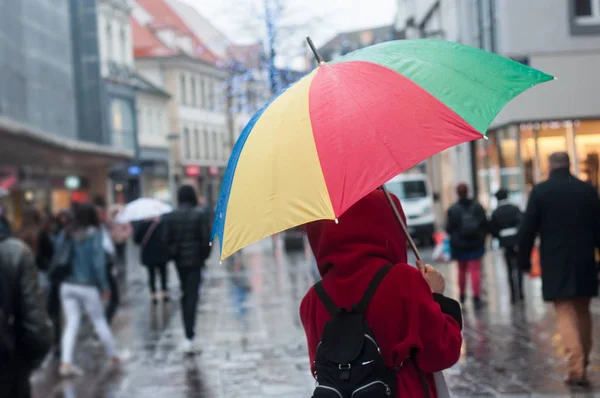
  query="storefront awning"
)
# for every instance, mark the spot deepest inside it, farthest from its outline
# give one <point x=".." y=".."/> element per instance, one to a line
<point x="23" y="145"/>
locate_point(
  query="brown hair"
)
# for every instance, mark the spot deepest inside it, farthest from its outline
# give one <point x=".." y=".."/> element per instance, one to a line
<point x="31" y="227"/>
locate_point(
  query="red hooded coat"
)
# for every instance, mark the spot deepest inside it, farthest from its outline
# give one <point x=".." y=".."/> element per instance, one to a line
<point x="403" y="313"/>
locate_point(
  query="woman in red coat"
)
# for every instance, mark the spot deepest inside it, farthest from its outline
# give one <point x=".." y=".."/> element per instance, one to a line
<point x="404" y="314"/>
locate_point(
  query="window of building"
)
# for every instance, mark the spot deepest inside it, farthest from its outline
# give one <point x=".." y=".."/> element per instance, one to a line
<point x="123" y="45"/>
<point x="109" y="42"/>
<point x="194" y="93"/>
<point x="211" y="95"/>
<point x="202" y="94"/>
<point x="587" y="12"/>
<point x="196" y="144"/>
<point x="215" y="151"/>
<point x="186" y="143"/>
<point x="182" y="90"/>
<point x="206" y="144"/>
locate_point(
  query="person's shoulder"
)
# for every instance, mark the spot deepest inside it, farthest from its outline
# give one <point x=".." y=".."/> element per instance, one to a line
<point x="13" y="250"/>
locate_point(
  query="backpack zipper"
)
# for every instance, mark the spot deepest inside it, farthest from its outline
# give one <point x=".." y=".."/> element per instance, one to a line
<point x="373" y="341"/>
<point x="388" y="390"/>
<point x="331" y="389"/>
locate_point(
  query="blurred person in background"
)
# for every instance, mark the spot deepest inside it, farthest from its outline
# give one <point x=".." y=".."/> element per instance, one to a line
<point x="63" y="220"/>
<point x="467" y="227"/>
<point x="82" y="289"/>
<point x="154" y="255"/>
<point x="110" y="256"/>
<point x="35" y="231"/>
<point x="25" y="330"/>
<point x="565" y="212"/>
<point x="120" y="233"/>
<point x="504" y="226"/>
<point x="187" y="237"/>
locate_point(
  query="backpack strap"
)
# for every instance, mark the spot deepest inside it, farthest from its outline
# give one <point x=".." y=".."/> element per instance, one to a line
<point x="362" y="305"/>
<point x="325" y="299"/>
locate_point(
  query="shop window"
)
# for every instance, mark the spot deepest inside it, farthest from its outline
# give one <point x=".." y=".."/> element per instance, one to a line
<point x="551" y="137"/>
<point x="528" y="156"/>
<point x="587" y="144"/>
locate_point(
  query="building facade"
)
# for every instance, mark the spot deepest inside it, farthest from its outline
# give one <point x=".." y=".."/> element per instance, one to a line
<point x="559" y="37"/>
<point x="44" y="161"/>
<point x="153" y="138"/>
<point x="170" y="55"/>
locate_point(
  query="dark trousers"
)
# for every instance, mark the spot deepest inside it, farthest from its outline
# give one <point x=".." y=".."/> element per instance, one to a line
<point x="53" y="307"/>
<point x="189" y="279"/>
<point x="515" y="274"/>
<point x="162" y="269"/>
<point x="113" y="303"/>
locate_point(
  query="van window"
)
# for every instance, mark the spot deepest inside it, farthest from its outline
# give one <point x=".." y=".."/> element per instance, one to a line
<point x="408" y="189"/>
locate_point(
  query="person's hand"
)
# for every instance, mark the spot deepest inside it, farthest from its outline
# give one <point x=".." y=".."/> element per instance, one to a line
<point x="433" y="277"/>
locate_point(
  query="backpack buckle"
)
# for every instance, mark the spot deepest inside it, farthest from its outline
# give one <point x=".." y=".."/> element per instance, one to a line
<point x="345" y="366"/>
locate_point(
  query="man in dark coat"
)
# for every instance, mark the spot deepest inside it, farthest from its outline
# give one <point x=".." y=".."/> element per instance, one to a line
<point x="187" y="237"/>
<point x="26" y="331"/>
<point x="565" y="212"/>
<point x="467" y="228"/>
<point x="504" y="225"/>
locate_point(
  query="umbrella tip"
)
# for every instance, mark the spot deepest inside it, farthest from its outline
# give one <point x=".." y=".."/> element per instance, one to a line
<point x="337" y="221"/>
<point x="210" y="243"/>
<point x="221" y="262"/>
<point x="485" y="137"/>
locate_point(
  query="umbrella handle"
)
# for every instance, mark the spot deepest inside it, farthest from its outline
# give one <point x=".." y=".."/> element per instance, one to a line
<point x="411" y="242"/>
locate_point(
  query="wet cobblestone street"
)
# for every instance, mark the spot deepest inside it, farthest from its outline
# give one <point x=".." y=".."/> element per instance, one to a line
<point x="252" y="344"/>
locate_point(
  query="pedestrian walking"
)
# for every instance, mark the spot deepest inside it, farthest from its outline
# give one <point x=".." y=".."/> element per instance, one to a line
<point x="187" y="236"/>
<point x="25" y="330"/>
<point x="412" y="331"/>
<point x="53" y="305"/>
<point x="467" y="227"/>
<point x="504" y="226"/>
<point x="83" y="287"/>
<point x="110" y="256"/>
<point x="154" y="255"/>
<point x="565" y="212"/>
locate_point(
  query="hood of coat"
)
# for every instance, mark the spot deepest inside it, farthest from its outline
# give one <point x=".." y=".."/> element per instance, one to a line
<point x="366" y="234"/>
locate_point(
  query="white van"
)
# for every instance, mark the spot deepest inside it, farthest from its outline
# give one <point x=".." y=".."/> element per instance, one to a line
<point x="414" y="192"/>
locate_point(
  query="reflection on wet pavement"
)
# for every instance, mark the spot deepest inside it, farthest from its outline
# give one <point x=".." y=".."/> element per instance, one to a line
<point x="253" y="345"/>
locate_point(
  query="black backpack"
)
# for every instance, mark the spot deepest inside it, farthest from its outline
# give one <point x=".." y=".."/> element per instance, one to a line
<point x="348" y="361"/>
<point x="470" y="225"/>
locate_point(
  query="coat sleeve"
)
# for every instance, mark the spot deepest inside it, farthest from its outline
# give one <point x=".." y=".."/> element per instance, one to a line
<point x="450" y="222"/>
<point x="438" y="321"/>
<point x="494" y="225"/>
<point x="529" y="230"/>
<point x="99" y="261"/>
<point x="35" y="330"/>
<point x="306" y="315"/>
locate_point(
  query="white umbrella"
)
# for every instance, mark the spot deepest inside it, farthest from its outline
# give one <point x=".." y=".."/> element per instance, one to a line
<point x="142" y="209"/>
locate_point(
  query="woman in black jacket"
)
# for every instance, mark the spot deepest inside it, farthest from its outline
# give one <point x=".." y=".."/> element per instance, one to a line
<point x="154" y="255"/>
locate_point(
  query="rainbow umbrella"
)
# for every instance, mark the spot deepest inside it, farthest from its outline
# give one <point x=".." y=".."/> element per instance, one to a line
<point x="353" y="124"/>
